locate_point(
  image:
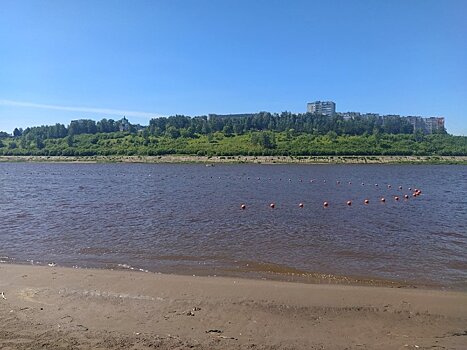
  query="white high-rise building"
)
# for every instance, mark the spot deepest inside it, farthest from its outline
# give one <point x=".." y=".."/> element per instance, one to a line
<point x="322" y="107"/>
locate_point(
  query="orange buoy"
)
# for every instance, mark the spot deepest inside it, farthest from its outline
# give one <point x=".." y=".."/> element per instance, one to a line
<point x="349" y="203"/>
<point x="383" y="200"/>
<point x="414" y="194"/>
<point x="367" y="201"/>
<point x="419" y="191"/>
<point x="396" y="198"/>
<point x="272" y="205"/>
<point x="243" y="206"/>
<point x="301" y="205"/>
<point x="325" y="204"/>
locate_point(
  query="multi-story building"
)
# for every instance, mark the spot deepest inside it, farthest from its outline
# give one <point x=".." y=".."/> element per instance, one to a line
<point x="426" y="125"/>
<point x="226" y="116"/>
<point x="124" y="124"/>
<point x="434" y="124"/>
<point x="349" y="115"/>
<point x="322" y="107"/>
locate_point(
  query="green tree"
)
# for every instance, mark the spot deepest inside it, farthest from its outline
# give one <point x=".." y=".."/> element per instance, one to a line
<point x="17" y="132"/>
<point x="172" y="132"/>
<point x="264" y="139"/>
<point x="70" y="140"/>
<point x="228" y="130"/>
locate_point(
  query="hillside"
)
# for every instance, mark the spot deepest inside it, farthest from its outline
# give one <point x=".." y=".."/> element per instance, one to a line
<point x="263" y="134"/>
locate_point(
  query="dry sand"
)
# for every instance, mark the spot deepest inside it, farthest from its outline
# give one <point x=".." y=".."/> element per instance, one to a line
<point x="64" y="308"/>
<point x="243" y="159"/>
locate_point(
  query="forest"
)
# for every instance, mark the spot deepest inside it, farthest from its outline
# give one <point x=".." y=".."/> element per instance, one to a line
<point x="255" y="134"/>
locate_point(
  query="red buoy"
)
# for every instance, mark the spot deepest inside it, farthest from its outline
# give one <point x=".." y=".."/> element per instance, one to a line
<point x="301" y="205"/>
<point x="349" y="203"/>
<point x="325" y="204"/>
<point x="367" y="201"/>
<point x="243" y="206"/>
<point x="272" y="205"/>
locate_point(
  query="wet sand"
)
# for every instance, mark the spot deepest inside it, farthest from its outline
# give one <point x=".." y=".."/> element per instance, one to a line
<point x="64" y="308"/>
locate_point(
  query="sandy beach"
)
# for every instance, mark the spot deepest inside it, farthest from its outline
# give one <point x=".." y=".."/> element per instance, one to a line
<point x="177" y="159"/>
<point x="65" y="308"/>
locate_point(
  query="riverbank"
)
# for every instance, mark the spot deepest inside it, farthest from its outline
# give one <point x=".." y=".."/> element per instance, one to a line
<point x="244" y="159"/>
<point x="64" y="308"/>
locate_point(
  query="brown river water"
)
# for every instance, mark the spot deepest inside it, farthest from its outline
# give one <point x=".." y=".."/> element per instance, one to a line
<point x="187" y="218"/>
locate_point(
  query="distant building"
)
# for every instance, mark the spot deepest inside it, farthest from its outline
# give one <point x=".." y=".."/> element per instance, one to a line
<point x="124" y="125"/>
<point x="225" y="116"/>
<point x="321" y="107"/>
<point x="349" y="115"/>
<point x="426" y="125"/>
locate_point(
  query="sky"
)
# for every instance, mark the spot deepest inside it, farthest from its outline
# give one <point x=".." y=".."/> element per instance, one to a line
<point x="65" y="60"/>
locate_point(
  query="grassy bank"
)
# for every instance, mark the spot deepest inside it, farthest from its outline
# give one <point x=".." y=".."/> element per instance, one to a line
<point x="253" y="144"/>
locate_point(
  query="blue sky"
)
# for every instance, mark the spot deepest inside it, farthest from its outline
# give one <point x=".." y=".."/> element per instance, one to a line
<point x="64" y="60"/>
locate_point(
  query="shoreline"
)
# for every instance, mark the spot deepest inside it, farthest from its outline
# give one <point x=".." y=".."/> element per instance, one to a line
<point x="187" y="159"/>
<point x="259" y="272"/>
<point x="270" y="272"/>
<point x="56" y="307"/>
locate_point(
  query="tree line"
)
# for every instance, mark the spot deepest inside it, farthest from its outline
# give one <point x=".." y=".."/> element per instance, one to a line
<point x="185" y="126"/>
<point x="181" y="125"/>
<point x="256" y="134"/>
